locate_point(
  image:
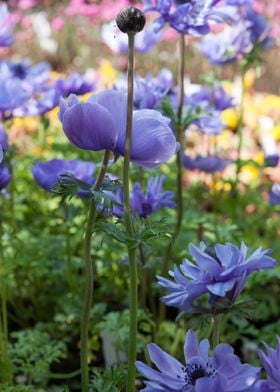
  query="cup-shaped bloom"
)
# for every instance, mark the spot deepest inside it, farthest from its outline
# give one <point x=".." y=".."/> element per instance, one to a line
<point x="220" y="270"/>
<point x="47" y="174"/>
<point x="271" y="363"/>
<point x="274" y="195"/>
<point x="100" y="124"/>
<point x="208" y="164"/>
<point x="221" y="372"/>
<point x="5" y="176"/>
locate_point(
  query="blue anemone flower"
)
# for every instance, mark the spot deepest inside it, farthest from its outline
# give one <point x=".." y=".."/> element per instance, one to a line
<point x="220" y="270"/>
<point x="100" y="124"/>
<point x="47" y="174"/>
<point x="271" y="363"/>
<point x="144" y="204"/>
<point x="220" y="372"/>
<point x="192" y="17"/>
<point x="208" y="164"/>
<point x="274" y="195"/>
<point x="74" y="84"/>
<point x="237" y="41"/>
<point x="149" y="91"/>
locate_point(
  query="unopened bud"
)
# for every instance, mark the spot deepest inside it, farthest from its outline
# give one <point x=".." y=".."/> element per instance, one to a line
<point x="131" y="20"/>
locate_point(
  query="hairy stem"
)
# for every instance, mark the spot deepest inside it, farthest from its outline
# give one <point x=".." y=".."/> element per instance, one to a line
<point x="133" y="283"/>
<point x="89" y="278"/>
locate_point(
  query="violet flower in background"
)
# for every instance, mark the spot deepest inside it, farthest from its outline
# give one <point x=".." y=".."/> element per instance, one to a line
<point x="146" y="204"/>
<point x="100" y="124"/>
<point x="12" y="95"/>
<point x="220" y="270"/>
<point x="208" y="164"/>
<point x="274" y="195"/>
<point x="215" y="97"/>
<point x="192" y="17"/>
<point x="75" y="84"/>
<point x="149" y="91"/>
<point x="117" y="41"/>
<point x="271" y="363"/>
<point x="46" y="174"/>
<point x="6" y="27"/>
<point x="220" y="372"/>
<point x="237" y="41"/>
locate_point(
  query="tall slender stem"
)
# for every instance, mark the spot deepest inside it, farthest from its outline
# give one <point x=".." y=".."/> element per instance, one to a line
<point x="240" y="131"/>
<point x="89" y="278"/>
<point x="179" y="136"/>
<point x="133" y="296"/>
<point x="218" y="319"/>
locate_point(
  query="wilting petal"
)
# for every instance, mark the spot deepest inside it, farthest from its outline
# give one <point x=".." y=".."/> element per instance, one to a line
<point x="90" y="127"/>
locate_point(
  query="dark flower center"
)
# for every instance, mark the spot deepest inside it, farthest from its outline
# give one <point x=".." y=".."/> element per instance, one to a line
<point x="19" y="71"/>
<point x="146" y="210"/>
<point x="210" y="251"/>
<point x="194" y="372"/>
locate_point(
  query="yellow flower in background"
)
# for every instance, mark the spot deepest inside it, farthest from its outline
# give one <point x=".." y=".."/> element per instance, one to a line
<point x="107" y="73"/>
<point x="249" y="79"/>
<point x="27" y="124"/>
<point x="230" y="118"/>
<point x="276" y="132"/>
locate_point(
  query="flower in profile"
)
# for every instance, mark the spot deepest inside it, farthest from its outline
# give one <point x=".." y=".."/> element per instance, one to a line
<point x="208" y="164"/>
<point x="146" y="204"/>
<point x="271" y="363"/>
<point x="100" y="124"/>
<point x="143" y="204"/>
<point x="221" y="372"/>
<point x="117" y="41"/>
<point x="47" y="174"/>
<point x="74" y="84"/>
<point x="192" y="17"/>
<point x="274" y="195"/>
<point x="148" y="91"/>
<point x="220" y="270"/>
<point x="6" y="25"/>
<point x="249" y="33"/>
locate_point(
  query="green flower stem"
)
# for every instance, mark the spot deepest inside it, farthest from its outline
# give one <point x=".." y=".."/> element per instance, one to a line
<point x="239" y="131"/>
<point x="133" y="283"/>
<point x="179" y="179"/>
<point x="89" y="278"/>
<point x="216" y="334"/>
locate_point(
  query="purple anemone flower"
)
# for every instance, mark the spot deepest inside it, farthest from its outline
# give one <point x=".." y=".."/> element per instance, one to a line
<point x="100" y="124"/>
<point x="74" y="84"/>
<point x="47" y="174"/>
<point x="117" y="41"/>
<point x="216" y="97"/>
<point x="5" y="176"/>
<point x="221" y="372"/>
<point x="237" y="41"/>
<point x="146" y="204"/>
<point x="148" y="91"/>
<point x="192" y="17"/>
<point x="6" y="25"/>
<point x="12" y="95"/>
<point x="271" y="363"/>
<point x="220" y="270"/>
<point x="274" y="196"/>
<point x="209" y="164"/>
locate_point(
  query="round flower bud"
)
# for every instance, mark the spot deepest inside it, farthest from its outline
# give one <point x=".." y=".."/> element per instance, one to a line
<point x="131" y="20"/>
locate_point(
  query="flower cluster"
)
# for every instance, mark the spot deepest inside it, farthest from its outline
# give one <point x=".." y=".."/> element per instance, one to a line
<point x="220" y="271"/>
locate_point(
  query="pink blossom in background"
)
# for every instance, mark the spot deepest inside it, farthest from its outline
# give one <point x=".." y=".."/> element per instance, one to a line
<point x="23" y="4"/>
<point x="57" y="23"/>
<point x="105" y="10"/>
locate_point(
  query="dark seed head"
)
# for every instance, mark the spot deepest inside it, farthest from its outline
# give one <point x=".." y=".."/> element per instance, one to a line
<point x="131" y="20"/>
